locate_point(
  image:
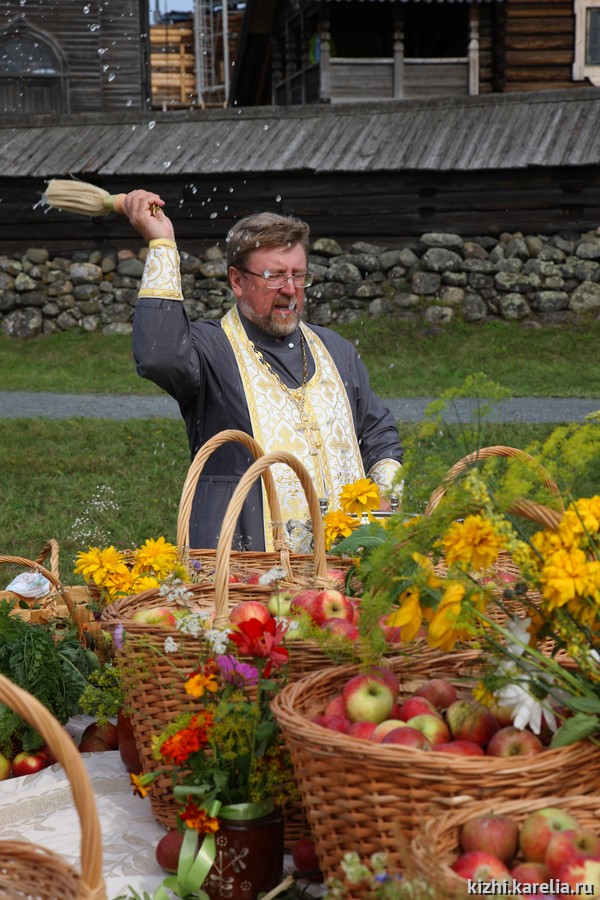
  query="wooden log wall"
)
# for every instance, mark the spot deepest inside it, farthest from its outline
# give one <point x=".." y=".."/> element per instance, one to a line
<point x="385" y="208"/>
<point x="102" y="43"/>
<point x="539" y="45"/>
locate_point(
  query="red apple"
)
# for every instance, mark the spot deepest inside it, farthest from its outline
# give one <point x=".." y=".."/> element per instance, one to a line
<point x="5" y="767"/>
<point x="460" y="748"/>
<point x="433" y="727"/>
<point x="234" y="579"/>
<point x="330" y="604"/>
<point x="392" y="634"/>
<point x="305" y="859"/>
<point x="302" y="601"/>
<point x="337" y="578"/>
<point x="108" y="732"/>
<point x="367" y="698"/>
<point x="469" y="720"/>
<point x="249" y="609"/>
<point x="25" y="763"/>
<point x="254" y="578"/>
<point x="335" y="707"/>
<point x="168" y="850"/>
<point x="333" y="723"/>
<point x="341" y="628"/>
<point x="48" y="754"/>
<point x="417" y="706"/>
<point x="479" y="866"/>
<point x="364" y="730"/>
<point x="531" y="872"/>
<point x="407" y="737"/>
<point x="567" y="845"/>
<point x="156" y="616"/>
<point x="584" y="871"/>
<point x="511" y="741"/>
<point x="539" y="826"/>
<point x="386" y="675"/>
<point x="385" y="727"/>
<point x="439" y="692"/>
<point x="496" y="834"/>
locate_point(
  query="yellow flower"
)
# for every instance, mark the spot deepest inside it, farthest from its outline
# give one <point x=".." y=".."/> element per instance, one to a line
<point x="338" y="525"/>
<point x="141" y="581"/>
<point x="360" y="496"/>
<point x="444" y="629"/>
<point x="567" y="576"/>
<point x="198" y="684"/>
<point x="106" y="568"/>
<point x="158" y="557"/>
<point x="472" y="543"/>
<point x="433" y="580"/>
<point x="408" y="617"/>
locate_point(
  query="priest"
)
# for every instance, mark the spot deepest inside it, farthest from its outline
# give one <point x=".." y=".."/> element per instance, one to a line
<point x="260" y="369"/>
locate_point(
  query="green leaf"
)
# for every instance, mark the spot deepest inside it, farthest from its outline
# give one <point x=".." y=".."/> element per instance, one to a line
<point x="366" y="536"/>
<point x="585" y="704"/>
<point x="578" y="728"/>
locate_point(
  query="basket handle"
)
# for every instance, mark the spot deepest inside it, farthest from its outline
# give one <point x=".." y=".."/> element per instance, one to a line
<point x="50" y="549"/>
<point x="189" y="488"/>
<point x="528" y="509"/>
<point x="53" y="579"/>
<point x="258" y="468"/>
<point x="29" y="708"/>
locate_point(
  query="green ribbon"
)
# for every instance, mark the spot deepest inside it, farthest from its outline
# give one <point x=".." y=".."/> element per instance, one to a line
<point x="195" y="864"/>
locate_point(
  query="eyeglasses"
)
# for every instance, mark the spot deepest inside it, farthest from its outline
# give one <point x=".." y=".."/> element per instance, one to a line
<point x="277" y="281"/>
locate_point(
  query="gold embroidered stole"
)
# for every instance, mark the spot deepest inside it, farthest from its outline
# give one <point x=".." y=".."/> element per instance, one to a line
<point x="320" y="432"/>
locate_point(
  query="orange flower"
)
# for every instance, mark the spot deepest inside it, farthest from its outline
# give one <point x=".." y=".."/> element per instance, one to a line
<point x="179" y="746"/>
<point x="197" y="818"/>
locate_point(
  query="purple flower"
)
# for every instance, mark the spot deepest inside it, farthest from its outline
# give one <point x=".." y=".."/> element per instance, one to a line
<point x="235" y="672"/>
<point x="118" y="636"/>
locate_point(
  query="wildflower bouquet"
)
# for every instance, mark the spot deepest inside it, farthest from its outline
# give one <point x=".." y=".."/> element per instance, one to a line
<point x="438" y="576"/>
<point x="113" y="573"/>
<point x="225" y="754"/>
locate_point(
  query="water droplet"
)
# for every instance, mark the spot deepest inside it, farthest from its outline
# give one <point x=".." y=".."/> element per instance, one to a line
<point x="278" y="198"/>
<point x="151" y="125"/>
<point x="265" y="127"/>
<point x="129" y="102"/>
<point x="112" y="76"/>
<point x="166" y="164"/>
<point x="86" y="9"/>
<point x="102" y="51"/>
<point x="213" y="215"/>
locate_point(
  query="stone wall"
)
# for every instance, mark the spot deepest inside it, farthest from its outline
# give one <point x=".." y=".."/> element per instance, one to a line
<point x="538" y="280"/>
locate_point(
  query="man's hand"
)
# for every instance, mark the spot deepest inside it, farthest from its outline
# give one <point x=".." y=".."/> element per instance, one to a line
<point x="144" y="211"/>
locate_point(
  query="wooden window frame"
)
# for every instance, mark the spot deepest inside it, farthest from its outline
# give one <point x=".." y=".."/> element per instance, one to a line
<point x="581" y="70"/>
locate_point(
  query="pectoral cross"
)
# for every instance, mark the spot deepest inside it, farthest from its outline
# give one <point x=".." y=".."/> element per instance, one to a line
<point x="312" y="433"/>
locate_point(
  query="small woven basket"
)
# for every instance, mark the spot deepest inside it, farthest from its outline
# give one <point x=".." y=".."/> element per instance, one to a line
<point x="27" y="870"/>
<point x="436" y="844"/>
<point x="370" y="797"/>
<point x="299" y="568"/>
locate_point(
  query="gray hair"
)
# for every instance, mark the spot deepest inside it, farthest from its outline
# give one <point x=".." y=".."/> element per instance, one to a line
<point x="262" y="230"/>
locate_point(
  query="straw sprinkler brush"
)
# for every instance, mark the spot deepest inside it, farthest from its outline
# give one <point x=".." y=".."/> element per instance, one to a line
<point x="86" y="199"/>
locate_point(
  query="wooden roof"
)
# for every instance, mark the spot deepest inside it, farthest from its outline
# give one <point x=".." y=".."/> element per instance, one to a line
<point x="511" y="131"/>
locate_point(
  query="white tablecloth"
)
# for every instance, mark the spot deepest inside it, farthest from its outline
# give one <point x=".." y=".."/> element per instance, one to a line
<point x="40" y="808"/>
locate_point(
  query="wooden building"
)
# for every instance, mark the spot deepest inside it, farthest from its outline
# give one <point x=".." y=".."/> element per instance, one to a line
<point x="340" y="51"/>
<point x="73" y="56"/>
<point x="386" y="172"/>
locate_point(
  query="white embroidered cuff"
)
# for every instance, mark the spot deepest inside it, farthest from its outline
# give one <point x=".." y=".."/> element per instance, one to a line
<point x="162" y="275"/>
<point x="385" y="473"/>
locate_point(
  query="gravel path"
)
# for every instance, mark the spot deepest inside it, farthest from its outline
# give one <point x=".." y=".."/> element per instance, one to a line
<point x="21" y="404"/>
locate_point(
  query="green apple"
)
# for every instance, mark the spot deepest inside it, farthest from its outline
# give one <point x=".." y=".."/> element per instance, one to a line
<point x="280" y="603"/>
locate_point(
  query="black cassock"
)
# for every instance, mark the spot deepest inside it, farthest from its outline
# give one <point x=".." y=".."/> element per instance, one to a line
<point x="195" y="364"/>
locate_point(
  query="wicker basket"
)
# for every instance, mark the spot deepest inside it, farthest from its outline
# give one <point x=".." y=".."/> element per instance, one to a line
<point x="371" y="797"/>
<point x="437" y="842"/>
<point x="153" y="680"/>
<point x="27" y="870"/>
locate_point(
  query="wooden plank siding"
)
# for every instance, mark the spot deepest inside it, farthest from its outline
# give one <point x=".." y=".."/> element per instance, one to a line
<point x="538" y="47"/>
<point x="103" y="45"/>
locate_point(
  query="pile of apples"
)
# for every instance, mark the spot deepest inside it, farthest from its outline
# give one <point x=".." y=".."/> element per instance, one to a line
<point x="95" y="738"/>
<point x="433" y="718"/>
<point x="547" y="855"/>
